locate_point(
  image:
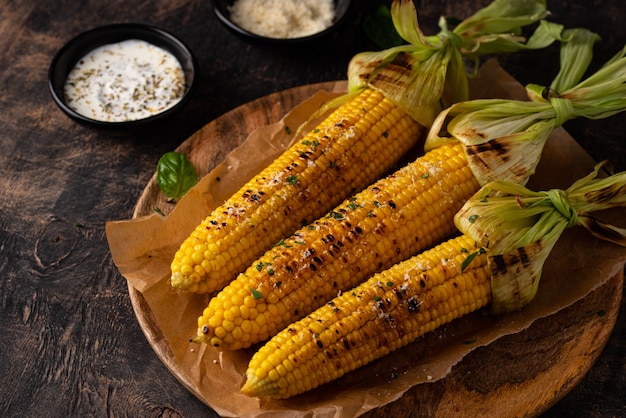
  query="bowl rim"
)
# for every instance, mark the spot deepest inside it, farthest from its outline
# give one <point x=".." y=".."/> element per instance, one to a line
<point x="225" y="19"/>
<point x="78" y="46"/>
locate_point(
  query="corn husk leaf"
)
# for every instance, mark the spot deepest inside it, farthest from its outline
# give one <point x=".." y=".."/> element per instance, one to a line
<point x="504" y="139"/>
<point x="415" y="76"/>
<point x="497" y="28"/>
<point x="520" y="227"/>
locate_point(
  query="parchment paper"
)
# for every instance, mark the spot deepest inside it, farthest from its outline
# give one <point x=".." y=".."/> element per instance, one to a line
<point x="142" y="249"/>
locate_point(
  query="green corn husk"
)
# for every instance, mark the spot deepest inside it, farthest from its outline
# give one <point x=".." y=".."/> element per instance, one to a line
<point x="504" y="139"/>
<point x="435" y="63"/>
<point x="416" y="76"/>
<point x="520" y="227"/>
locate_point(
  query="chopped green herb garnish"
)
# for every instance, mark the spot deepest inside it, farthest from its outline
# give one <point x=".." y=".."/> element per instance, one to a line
<point x="472" y="218"/>
<point x="468" y="260"/>
<point x="282" y="243"/>
<point x="471" y="257"/>
<point x="288" y="130"/>
<point x="256" y="294"/>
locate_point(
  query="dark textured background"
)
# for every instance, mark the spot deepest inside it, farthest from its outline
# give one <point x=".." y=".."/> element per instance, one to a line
<point x="69" y="341"/>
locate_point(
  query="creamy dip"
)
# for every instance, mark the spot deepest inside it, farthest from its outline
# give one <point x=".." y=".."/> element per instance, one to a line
<point x="125" y="81"/>
<point x="283" y="18"/>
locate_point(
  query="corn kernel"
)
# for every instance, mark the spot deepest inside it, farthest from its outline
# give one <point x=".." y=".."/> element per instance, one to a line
<point x="349" y="134"/>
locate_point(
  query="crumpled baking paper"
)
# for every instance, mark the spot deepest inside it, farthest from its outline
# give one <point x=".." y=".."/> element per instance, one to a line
<point x="143" y="247"/>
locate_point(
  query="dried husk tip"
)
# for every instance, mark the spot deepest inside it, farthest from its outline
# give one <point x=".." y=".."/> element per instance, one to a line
<point x="504" y="139"/>
<point x="519" y="227"/>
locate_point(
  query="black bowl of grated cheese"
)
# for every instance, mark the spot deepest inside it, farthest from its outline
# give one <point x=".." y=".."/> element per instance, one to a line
<point x="122" y="76"/>
<point x="281" y="22"/>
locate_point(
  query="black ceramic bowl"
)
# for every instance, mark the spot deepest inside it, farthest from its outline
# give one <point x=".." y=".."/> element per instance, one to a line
<point x="221" y="9"/>
<point x="67" y="57"/>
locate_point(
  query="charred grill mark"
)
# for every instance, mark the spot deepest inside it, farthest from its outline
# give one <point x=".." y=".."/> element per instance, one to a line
<point x="606" y="194"/>
<point x="499" y="263"/>
<point x="346" y="343"/>
<point x="403" y="60"/>
<point x="400" y="65"/>
<point x="595" y="226"/>
<point x="493" y="146"/>
<point x="413" y="304"/>
<point x="523" y="257"/>
<point x="251" y="196"/>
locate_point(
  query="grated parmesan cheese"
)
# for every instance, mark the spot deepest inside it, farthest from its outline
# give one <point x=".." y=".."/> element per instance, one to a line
<point x="283" y="18"/>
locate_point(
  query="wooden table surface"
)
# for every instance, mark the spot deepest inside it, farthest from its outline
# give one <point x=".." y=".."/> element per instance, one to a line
<point x="69" y="340"/>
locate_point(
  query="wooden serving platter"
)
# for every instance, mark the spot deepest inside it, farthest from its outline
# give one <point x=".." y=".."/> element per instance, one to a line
<point x="522" y="374"/>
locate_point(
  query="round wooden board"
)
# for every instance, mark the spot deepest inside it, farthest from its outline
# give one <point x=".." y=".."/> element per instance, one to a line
<point x="517" y="375"/>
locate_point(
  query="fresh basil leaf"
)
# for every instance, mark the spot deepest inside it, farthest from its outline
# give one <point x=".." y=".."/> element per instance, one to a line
<point x="175" y="174"/>
<point x="378" y="26"/>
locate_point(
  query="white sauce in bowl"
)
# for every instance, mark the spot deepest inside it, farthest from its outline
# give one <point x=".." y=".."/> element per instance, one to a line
<point x="283" y="18"/>
<point x="125" y="81"/>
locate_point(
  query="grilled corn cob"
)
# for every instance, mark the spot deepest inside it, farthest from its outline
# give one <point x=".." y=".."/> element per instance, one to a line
<point x="391" y="220"/>
<point x="351" y="148"/>
<point x="333" y="161"/>
<point x="508" y="233"/>
<point x="386" y="312"/>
